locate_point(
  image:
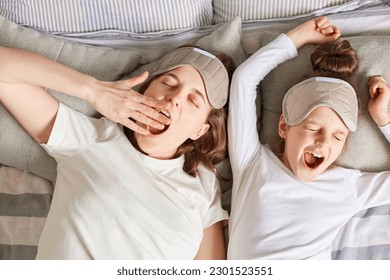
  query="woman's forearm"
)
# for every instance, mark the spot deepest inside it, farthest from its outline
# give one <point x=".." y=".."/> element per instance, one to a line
<point x="115" y="100"/>
<point x="24" y="67"/>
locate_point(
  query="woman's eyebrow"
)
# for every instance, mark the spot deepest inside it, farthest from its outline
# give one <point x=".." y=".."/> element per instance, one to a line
<point x="197" y="92"/>
<point x="172" y="75"/>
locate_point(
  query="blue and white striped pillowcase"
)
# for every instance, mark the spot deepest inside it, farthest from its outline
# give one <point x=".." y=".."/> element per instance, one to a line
<point x="365" y="236"/>
<point x="137" y="16"/>
<point x="224" y="10"/>
<point x="25" y="200"/>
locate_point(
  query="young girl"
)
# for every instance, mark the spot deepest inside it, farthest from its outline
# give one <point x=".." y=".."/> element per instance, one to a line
<point x="152" y="194"/>
<point x="293" y="205"/>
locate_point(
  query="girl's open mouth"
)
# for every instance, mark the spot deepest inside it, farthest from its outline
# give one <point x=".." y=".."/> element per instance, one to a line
<point x="313" y="160"/>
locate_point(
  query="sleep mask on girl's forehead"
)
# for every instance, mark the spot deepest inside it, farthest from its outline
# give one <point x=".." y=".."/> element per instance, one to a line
<point x="304" y="97"/>
<point x="212" y="70"/>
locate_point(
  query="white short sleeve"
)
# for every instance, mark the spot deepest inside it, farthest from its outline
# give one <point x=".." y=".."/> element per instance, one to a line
<point x="72" y="131"/>
<point x="215" y="213"/>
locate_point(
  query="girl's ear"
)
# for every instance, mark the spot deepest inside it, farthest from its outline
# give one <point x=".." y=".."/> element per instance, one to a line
<point x="282" y="127"/>
<point x="202" y="130"/>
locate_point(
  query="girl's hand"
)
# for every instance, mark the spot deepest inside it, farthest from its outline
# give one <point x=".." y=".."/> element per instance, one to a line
<point x="314" y="31"/>
<point x="118" y="102"/>
<point x="378" y="104"/>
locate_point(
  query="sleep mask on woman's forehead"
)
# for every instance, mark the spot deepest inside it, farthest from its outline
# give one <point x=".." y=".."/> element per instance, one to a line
<point x="212" y="70"/>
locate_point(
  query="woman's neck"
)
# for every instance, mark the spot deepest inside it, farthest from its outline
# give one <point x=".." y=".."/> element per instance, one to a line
<point x="130" y="136"/>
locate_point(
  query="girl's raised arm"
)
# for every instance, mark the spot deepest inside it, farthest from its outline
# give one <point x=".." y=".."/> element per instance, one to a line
<point x="316" y="31"/>
<point x="243" y="136"/>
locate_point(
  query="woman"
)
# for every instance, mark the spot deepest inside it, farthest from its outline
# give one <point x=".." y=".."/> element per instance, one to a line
<point x="148" y="195"/>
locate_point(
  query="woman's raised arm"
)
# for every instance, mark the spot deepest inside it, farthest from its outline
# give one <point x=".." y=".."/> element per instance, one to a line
<point x="115" y="100"/>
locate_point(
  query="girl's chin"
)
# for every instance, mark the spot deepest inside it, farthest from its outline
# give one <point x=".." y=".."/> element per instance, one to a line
<point x="306" y="175"/>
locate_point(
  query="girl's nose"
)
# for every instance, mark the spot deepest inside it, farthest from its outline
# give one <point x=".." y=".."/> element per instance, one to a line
<point x="323" y="141"/>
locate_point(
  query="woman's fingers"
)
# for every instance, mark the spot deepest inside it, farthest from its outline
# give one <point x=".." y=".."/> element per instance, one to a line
<point x="151" y="102"/>
<point x="129" y="83"/>
<point x="139" y="109"/>
<point x="140" y="122"/>
<point x="134" y="127"/>
<point x="134" y="81"/>
<point x="147" y="106"/>
<point x="120" y="103"/>
<point x="143" y="114"/>
<point x="152" y="113"/>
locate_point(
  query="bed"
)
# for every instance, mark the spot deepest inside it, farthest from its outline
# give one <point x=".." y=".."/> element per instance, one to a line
<point x="127" y="37"/>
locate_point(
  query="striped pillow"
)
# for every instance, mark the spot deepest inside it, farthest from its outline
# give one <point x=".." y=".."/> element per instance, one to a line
<point x="365" y="236"/>
<point x="224" y="10"/>
<point x="136" y="16"/>
<point x="24" y="203"/>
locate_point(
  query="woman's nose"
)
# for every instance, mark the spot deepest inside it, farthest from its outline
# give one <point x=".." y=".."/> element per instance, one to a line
<point x="175" y="98"/>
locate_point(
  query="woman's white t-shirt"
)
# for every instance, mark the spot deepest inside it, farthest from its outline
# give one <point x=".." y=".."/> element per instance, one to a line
<point x="113" y="202"/>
